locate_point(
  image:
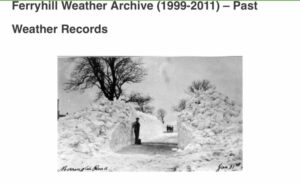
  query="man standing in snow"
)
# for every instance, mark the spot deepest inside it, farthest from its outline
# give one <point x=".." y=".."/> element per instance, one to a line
<point x="136" y="128"/>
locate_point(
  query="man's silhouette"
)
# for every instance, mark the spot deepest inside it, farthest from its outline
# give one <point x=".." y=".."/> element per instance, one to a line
<point x="136" y="128"/>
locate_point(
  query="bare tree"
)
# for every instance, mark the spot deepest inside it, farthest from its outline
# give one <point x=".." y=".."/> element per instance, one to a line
<point x="108" y="74"/>
<point x="141" y="101"/>
<point x="161" y="114"/>
<point x="200" y="85"/>
<point x="149" y="109"/>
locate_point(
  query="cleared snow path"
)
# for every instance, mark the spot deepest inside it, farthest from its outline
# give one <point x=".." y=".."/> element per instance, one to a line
<point x="163" y="145"/>
<point x="158" y="154"/>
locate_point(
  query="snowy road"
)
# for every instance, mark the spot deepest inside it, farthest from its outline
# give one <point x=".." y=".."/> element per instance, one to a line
<point x="159" y="154"/>
<point x="154" y="155"/>
<point x="163" y="145"/>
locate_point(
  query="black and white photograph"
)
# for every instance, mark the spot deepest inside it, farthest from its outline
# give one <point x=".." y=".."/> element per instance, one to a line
<point x="149" y="113"/>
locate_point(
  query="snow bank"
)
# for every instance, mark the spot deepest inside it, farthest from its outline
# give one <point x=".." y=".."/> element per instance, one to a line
<point x="103" y="126"/>
<point x="151" y="127"/>
<point x="185" y="135"/>
<point x="211" y="124"/>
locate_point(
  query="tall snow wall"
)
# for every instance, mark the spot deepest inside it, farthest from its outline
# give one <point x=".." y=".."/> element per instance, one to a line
<point x="150" y="128"/>
<point x="122" y="135"/>
<point x="103" y="126"/>
<point x="210" y="121"/>
<point x="185" y="135"/>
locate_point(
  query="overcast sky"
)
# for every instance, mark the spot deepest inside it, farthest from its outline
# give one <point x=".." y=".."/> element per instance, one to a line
<point x="166" y="81"/>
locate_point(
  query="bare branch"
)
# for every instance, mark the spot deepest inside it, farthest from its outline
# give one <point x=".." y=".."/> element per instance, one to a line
<point x="108" y="74"/>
